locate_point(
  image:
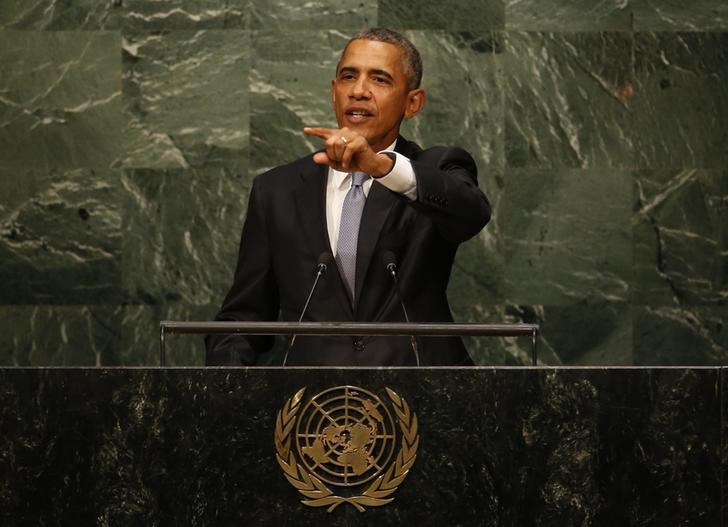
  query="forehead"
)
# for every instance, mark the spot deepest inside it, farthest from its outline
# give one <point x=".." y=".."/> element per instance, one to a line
<point x="371" y="54"/>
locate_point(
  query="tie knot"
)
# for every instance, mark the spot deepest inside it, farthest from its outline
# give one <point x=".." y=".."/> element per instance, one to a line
<point x="358" y="178"/>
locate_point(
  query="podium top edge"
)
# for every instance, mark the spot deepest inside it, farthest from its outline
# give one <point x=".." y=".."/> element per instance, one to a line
<point x="173" y="327"/>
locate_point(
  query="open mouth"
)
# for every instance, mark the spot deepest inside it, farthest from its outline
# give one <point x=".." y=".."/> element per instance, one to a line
<point x="356" y="116"/>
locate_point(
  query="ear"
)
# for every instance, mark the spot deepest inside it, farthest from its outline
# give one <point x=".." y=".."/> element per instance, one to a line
<point x="333" y="92"/>
<point x="415" y="102"/>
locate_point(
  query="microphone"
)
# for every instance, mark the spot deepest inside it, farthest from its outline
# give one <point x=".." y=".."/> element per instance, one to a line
<point x="390" y="264"/>
<point x="324" y="260"/>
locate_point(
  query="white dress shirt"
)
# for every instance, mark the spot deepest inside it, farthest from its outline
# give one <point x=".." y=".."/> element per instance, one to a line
<point x="400" y="179"/>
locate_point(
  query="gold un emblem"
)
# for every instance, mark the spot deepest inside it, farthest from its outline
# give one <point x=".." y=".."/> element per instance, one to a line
<point x="343" y="446"/>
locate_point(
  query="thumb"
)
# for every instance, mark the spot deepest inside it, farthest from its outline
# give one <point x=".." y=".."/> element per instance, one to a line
<point x="321" y="158"/>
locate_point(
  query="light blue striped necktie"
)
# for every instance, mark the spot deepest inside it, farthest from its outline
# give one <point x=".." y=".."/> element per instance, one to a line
<point x="349" y="229"/>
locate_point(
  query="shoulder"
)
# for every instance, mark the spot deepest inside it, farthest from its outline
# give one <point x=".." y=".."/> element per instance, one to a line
<point x="439" y="155"/>
<point x="287" y="173"/>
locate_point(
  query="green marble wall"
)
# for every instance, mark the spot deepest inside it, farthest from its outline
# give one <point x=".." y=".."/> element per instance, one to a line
<point x="130" y="131"/>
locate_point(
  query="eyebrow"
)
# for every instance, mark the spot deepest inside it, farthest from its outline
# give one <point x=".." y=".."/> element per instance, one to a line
<point x="351" y="69"/>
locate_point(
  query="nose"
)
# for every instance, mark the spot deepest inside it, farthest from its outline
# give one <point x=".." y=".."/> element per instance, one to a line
<point x="360" y="89"/>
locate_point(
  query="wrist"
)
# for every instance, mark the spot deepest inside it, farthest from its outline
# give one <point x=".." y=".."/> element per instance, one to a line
<point x="385" y="164"/>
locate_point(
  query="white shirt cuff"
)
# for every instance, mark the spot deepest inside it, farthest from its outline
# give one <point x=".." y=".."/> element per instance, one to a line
<point x="401" y="179"/>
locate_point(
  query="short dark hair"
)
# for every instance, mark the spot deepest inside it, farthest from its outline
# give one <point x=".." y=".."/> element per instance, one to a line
<point x="412" y="59"/>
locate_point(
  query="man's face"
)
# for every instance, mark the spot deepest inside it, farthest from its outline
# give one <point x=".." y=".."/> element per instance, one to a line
<point x="370" y="93"/>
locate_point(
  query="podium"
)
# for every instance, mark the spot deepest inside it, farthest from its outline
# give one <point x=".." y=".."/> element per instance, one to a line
<point x="524" y="446"/>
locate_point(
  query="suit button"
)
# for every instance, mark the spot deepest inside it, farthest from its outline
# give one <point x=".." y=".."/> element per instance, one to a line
<point x="358" y="343"/>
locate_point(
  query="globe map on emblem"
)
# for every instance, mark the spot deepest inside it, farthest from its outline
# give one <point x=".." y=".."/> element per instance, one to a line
<point x="345" y="435"/>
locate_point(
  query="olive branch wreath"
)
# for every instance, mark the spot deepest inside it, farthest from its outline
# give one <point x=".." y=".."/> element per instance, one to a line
<point x="318" y="494"/>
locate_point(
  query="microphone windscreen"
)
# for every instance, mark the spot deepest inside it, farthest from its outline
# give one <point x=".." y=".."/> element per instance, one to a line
<point x="389" y="259"/>
<point x="324" y="258"/>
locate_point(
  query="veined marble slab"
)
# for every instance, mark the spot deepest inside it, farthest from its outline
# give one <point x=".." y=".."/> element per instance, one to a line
<point x="498" y="447"/>
<point x="60" y="237"/>
<point x="680" y="228"/>
<point x="566" y="235"/>
<point x="455" y="15"/>
<point x="183" y="228"/>
<point x="680" y="106"/>
<point x="60" y="99"/>
<point x="206" y="74"/>
<point x="568" y="100"/>
<point x="61" y="14"/>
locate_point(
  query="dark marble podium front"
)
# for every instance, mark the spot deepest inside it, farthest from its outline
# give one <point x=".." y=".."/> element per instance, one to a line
<point x="499" y="447"/>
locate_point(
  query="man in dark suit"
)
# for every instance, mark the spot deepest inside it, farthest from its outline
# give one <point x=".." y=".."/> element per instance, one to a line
<point x="418" y="206"/>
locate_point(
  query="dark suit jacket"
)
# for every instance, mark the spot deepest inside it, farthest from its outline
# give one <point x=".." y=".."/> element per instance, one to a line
<point x="285" y="232"/>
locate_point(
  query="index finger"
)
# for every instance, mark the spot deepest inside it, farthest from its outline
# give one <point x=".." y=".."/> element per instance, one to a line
<point x="323" y="133"/>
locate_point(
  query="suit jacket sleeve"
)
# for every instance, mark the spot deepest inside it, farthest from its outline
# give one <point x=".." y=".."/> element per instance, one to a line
<point x="253" y="295"/>
<point x="447" y="191"/>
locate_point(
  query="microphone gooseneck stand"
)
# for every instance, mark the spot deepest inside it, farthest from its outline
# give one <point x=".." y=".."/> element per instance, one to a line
<point x="324" y="260"/>
<point x="390" y="263"/>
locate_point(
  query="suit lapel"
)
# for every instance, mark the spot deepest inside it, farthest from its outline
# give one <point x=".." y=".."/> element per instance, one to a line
<point x="379" y="203"/>
<point x="407" y="148"/>
<point x="310" y="198"/>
